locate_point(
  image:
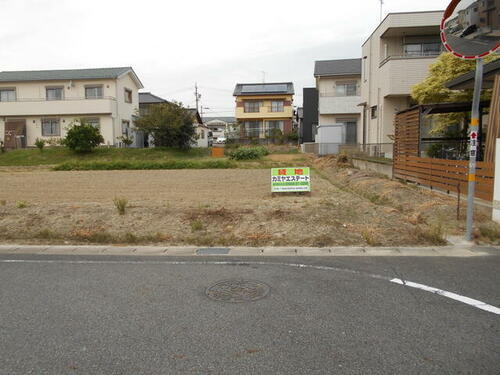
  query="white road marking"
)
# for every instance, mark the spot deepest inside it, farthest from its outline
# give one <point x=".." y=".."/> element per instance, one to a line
<point x="444" y="293"/>
<point x="454" y="296"/>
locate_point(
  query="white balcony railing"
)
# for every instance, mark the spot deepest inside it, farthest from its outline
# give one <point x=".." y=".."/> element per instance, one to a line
<point x="67" y="106"/>
<point x="410" y="56"/>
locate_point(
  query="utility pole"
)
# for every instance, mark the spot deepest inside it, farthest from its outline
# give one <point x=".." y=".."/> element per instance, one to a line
<point x="197" y="95"/>
<point x="381" y="9"/>
<point x="473" y="134"/>
<point x="202" y="108"/>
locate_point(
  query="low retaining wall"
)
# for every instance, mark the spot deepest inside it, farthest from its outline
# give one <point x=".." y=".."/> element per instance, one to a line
<point x="378" y="167"/>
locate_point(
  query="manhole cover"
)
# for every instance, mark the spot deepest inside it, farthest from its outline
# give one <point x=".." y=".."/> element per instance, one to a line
<point x="238" y="291"/>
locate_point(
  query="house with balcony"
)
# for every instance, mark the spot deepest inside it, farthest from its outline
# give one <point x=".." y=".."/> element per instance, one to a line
<point x="338" y="83"/>
<point x="395" y="57"/>
<point x="42" y="104"/>
<point x="264" y="109"/>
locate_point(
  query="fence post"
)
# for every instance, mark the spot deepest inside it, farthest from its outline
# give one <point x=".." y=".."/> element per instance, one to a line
<point x="496" y="184"/>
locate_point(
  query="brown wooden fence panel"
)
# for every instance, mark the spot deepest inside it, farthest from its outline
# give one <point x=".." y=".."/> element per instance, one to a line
<point x="449" y="175"/>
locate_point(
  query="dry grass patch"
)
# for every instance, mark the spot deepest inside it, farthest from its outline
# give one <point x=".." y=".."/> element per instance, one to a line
<point x="490" y="231"/>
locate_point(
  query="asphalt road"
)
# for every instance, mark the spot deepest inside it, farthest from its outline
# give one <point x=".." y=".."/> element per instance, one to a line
<point x="132" y="315"/>
<point x="471" y="47"/>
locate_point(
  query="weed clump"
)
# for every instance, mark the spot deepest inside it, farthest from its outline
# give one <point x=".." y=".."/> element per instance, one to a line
<point x="196" y="225"/>
<point x="21" y="204"/>
<point x="433" y="233"/>
<point x="248" y="153"/>
<point x="121" y="205"/>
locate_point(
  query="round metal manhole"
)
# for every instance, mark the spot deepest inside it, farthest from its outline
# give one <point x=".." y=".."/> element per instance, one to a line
<point x="237" y="291"/>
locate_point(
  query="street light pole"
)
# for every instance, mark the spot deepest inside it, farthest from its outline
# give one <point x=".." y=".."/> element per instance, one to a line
<point x="473" y="134"/>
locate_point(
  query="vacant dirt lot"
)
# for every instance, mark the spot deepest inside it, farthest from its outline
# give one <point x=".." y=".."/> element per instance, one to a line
<point x="208" y="207"/>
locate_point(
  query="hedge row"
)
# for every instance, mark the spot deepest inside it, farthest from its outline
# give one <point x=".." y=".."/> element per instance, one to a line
<point x="147" y="165"/>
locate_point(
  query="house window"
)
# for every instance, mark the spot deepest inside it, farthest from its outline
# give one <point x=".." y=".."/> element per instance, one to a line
<point x="431" y="49"/>
<point x="54" y="93"/>
<point x="51" y="127"/>
<point x="273" y="127"/>
<point x="252" y="106"/>
<point x="374" y="111"/>
<point x="7" y="95"/>
<point x="277" y="106"/>
<point x="422" y="49"/>
<point x="125" y="128"/>
<point x="128" y="96"/>
<point x="95" y="122"/>
<point x="202" y="134"/>
<point x="252" y="128"/>
<point x="93" y="92"/>
<point x="346" y="89"/>
<point x="351" y="126"/>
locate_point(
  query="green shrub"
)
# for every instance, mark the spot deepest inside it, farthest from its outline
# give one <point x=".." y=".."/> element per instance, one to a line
<point x="248" y="153"/>
<point x="126" y="140"/>
<point x="2" y="147"/>
<point x="293" y="136"/>
<point x="40" y="143"/>
<point x="144" y="165"/>
<point x="82" y="137"/>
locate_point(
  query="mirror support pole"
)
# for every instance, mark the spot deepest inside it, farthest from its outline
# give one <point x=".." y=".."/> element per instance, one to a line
<point x="473" y="131"/>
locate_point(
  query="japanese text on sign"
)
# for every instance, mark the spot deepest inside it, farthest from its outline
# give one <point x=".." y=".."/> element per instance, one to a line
<point x="285" y="180"/>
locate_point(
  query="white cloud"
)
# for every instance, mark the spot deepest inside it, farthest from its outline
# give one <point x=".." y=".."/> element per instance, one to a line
<point x="172" y="44"/>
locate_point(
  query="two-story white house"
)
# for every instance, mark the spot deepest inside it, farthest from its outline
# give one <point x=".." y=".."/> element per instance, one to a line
<point x="338" y="83"/>
<point x="395" y="57"/>
<point x="42" y="104"/>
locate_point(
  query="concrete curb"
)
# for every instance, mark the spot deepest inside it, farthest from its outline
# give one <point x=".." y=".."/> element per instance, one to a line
<point x="445" y="251"/>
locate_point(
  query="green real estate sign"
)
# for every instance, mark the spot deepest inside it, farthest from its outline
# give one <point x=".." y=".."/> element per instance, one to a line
<point x="284" y="180"/>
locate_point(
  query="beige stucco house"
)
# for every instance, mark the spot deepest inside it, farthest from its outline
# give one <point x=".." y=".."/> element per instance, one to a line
<point x="42" y="104"/>
<point x="339" y="87"/>
<point x="394" y="58"/>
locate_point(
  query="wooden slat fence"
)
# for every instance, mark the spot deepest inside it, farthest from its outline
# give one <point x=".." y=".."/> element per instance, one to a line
<point x="448" y="175"/>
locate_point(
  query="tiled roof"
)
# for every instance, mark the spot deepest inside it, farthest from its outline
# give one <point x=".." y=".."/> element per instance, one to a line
<point x="148" y="98"/>
<point x="66" y="74"/>
<point x="337" y="67"/>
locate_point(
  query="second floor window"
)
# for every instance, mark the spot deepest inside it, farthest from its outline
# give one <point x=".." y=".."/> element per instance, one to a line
<point x="374" y="111"/>
<point x="252" y="106"/>
<point x="128" y="96"/>
<point x="50" y="127"/>
<point x="422" y="49"/>
<point x="54" y="93"/>
<point x="346" y="89"/>
<point x="7" y="95"/>
<point x="277" y="106"/>
<point x="93" y="92"/>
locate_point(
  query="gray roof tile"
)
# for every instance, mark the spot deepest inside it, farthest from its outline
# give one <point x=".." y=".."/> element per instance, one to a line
<point x="66" y="74"/>
<point x="148" y="98"/>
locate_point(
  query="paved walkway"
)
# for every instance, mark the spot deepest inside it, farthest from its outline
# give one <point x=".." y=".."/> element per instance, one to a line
<point x="446" y="251"/>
